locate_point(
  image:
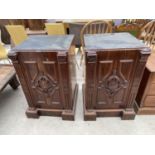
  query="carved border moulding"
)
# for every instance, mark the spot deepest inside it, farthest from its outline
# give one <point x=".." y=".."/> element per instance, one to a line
<point x="113" y="83"/>
<point x="145" y="51"/>
<point x="45" y="84"/>
<point x="91" y="57"/>
<point x="62" y="57"/>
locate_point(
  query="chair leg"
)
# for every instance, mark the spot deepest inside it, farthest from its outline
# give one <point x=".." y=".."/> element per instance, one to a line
<point x="14" y="83"/>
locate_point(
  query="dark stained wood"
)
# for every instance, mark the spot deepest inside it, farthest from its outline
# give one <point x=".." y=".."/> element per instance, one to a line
<point x="114" y="68"/>
<point x="47" y="74"/>
<point x="145" y="100"/>
<point x="5" y="37"/>
<point x="8" y="76"/>
<point x="36" y="24"/>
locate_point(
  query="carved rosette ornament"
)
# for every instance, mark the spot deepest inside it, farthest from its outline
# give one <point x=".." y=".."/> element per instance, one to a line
<point x="45" y="84"/>
<point x="113" y="83"/>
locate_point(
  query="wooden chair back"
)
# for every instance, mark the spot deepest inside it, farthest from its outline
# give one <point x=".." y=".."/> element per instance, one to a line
<point x="17" y="33"/>
<point x="148" y="34"/>
<point x="55" y="28"/>
<point x="95" y="27"/>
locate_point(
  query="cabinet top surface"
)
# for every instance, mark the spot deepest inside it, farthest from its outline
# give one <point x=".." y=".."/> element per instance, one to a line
<point x="45" y="42"/>
<point x="112" y="41"/>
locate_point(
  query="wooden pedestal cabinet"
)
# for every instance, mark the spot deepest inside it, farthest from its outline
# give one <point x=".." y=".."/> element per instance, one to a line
<point x="114" y="68"/>
<point x="145" y="100"/>
<point x="46" y="70"/>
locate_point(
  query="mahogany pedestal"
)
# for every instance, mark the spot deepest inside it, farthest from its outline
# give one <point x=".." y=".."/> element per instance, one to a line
<point x="145" y="100"/>
<point x="46" y="71"/>
<point x="114" y="68"/>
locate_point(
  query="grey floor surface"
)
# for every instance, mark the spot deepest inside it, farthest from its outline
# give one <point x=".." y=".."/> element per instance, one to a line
<point x="13" y="120"/>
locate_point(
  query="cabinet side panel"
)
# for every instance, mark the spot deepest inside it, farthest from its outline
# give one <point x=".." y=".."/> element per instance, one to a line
<point x="72" y="72"/>
<point x="141" y="91"/>
<point x="90" y="82"/>
<point x="65" y="79"/>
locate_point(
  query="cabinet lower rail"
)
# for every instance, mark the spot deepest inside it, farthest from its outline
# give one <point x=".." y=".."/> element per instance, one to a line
<point x="64" y="113"/>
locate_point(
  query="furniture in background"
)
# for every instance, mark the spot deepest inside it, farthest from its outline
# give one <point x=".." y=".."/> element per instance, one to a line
<point x="145" y="100"/>
<point x="7" y="72"/>
<point x="75" y="28"/>
<point x="94" y="27"/>
<point x="59" y="29"/>
<point x="132" y="28"/>
<point x="17" y="33"/>
<point x="5" y="37"/>
<point x="36" y="32"/>
<point x="46" y="71"/>
<point x="55" y="28"/>
<point x="0" y="37"/>
<point x="140" y="22"/>
<point x="35" y="24"/>
<point x="3" y="52"/>
<point x="8" y="76"/>
<point x="147" y="34"/>
<point x="17" y="22"/>
<point x="114" y="67"/>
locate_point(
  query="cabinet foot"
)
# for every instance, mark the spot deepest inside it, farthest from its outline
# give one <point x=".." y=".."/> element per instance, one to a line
<point x="32" y="113"/>
<point x="65" y="114"/>
<point x="68" y="115"/>
<point x="89" y="115"/>
<point x="128" y="114"/>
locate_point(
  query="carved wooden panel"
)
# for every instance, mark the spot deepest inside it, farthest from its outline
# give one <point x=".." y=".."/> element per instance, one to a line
<point x="109" y="85"/>
<point x="41" y="75"/>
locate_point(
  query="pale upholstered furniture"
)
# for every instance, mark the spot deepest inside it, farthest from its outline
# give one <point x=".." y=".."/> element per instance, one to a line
<point x="55" y="28"/>
<point x="17" y="33"/>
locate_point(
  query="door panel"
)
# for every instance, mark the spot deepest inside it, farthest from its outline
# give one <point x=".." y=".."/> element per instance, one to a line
<point x="41" y="73"/>
<point x="115" y="72"/>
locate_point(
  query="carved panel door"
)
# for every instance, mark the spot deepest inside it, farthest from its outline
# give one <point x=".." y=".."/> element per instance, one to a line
<point x="41" y="74"/>
<point x="115" y="71"/>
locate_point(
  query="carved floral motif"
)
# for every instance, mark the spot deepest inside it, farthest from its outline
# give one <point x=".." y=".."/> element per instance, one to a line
<point x="45" y="84"/>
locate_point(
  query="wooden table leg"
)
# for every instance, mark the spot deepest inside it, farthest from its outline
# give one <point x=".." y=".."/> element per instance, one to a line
<point x="14" y="83"/>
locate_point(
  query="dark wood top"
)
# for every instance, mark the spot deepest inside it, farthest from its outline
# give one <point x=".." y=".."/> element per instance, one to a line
<point x="112" y="41"/>
<point x="39" y="43"/>
<point x="150" y="65"/>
